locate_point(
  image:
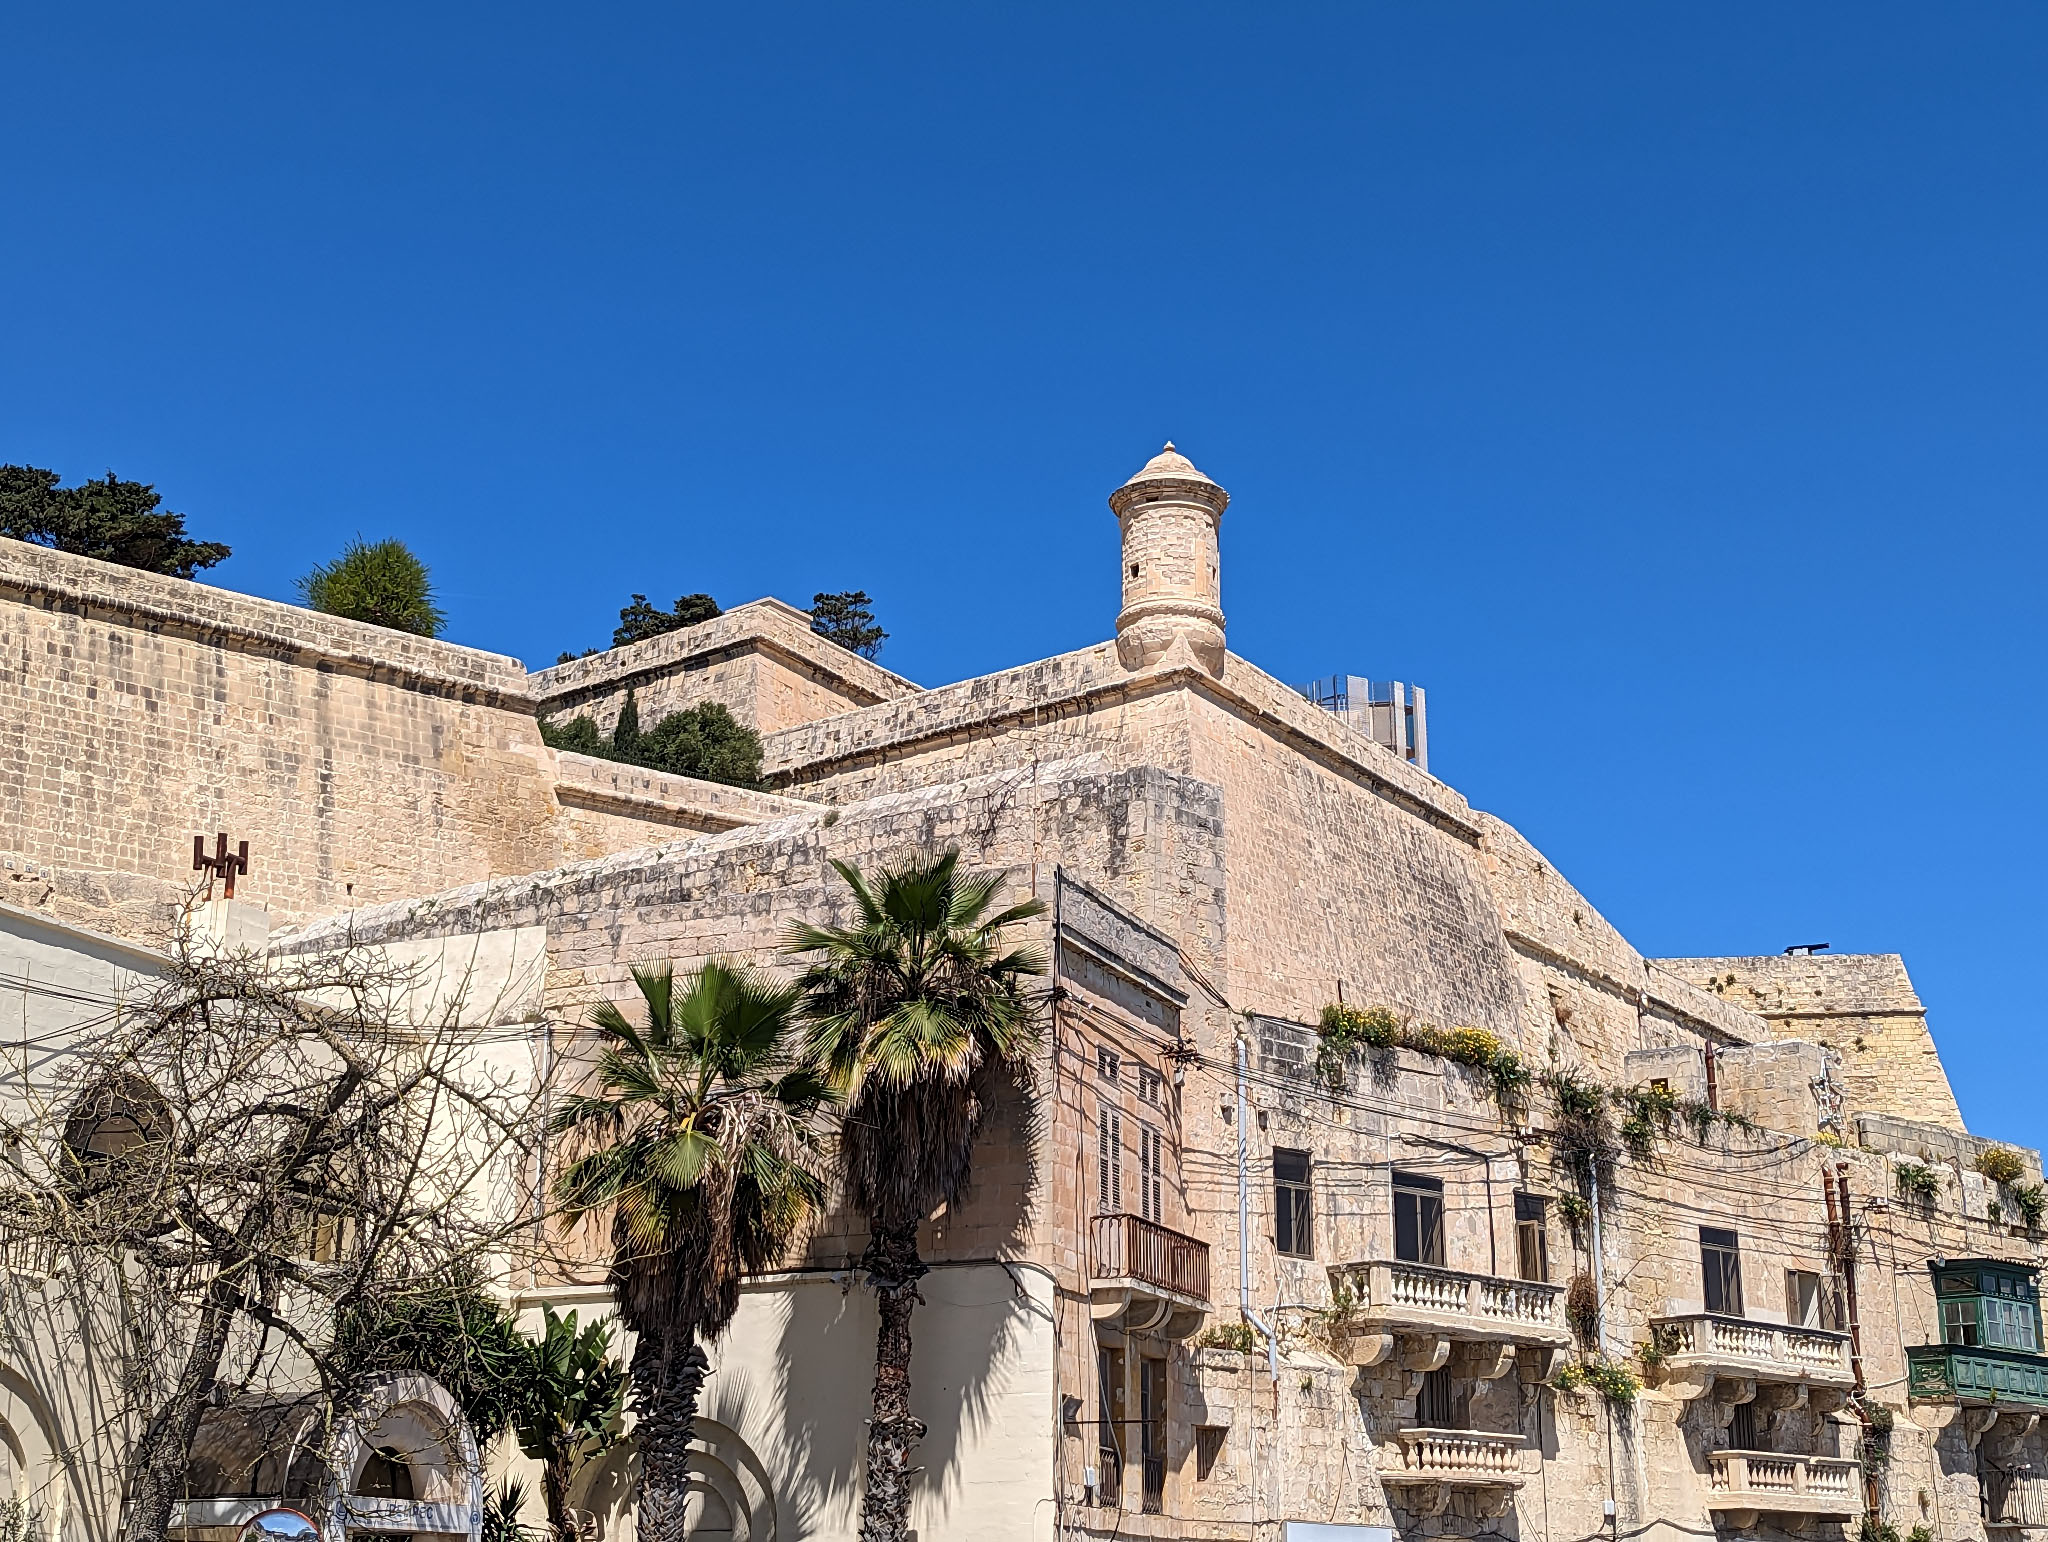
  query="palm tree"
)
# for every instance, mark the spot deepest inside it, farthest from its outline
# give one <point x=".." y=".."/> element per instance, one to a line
<point x="703" y="1144"/>
<point x="916" y="1012"/>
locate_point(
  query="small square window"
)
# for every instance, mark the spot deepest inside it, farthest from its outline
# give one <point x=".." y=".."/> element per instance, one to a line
<point x="1148" y="1085"/>
<point x="1109" y="1066"/>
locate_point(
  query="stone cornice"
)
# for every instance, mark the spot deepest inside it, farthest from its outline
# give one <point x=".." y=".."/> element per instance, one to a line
<point x="86" y="587"/>
<point x="769" y="626"/>
<point x="1169" y="489"/>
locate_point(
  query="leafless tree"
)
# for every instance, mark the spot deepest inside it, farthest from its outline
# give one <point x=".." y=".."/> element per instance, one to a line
<point x="202" y="1185"/>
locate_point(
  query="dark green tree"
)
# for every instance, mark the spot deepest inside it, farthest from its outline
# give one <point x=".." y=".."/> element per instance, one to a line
<point x="452" y="1331"/>
<point x="110" y="519"/>
<point x="704" y="741"/>
<point x="639" y="620"/>
<point x="701" y="1140"/>
<point x="380" y="582"/>
<point x="848" y="619"/>
<point x="626" y="731"/>
<point x="918" y="1014"/>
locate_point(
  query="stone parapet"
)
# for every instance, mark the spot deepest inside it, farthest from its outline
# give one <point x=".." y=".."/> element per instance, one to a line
<point x="1089" y="680"/>
<point x="761" y="661"/>
<point x="89" y="588"/>
<point x="658" y="797"/>
<point x="1779" y="985"/>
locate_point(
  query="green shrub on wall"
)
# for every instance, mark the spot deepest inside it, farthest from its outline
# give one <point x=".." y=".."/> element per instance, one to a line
<point x="1346" y="1032"/>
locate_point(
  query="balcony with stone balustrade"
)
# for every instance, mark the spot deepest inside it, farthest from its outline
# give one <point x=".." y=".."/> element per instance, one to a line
<point x="1435" y="1464"/>
<point x="1421" y="1310"/>
<point x="1701" y="1352"/>
<point x="1742" y="1485"/>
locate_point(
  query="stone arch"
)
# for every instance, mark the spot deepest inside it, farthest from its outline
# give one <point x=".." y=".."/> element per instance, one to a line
<point x="412" y="1422"/>
<point x="28" y="1454"/>
<point x="731" y="1497"/>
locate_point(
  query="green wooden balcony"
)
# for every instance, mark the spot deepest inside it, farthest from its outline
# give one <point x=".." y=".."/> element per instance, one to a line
<point x="1976" y="1375"/>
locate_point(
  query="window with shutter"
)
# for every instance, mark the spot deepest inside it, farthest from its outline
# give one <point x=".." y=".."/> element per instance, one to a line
<point x="1110" y="1161"/>
<point x="1151" y="1175"/>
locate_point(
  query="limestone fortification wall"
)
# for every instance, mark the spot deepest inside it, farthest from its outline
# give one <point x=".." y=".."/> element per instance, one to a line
<point x="1862" y="1006"/>
<point x="761" y="661"/>
<point x="138" y="710"/>
<point x="361" y="764"/>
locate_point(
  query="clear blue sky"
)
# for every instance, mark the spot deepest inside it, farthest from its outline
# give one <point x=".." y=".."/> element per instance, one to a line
<point x="1662" y="387"/>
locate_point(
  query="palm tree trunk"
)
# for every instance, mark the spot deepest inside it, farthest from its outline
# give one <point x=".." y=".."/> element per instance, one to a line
<point x="671" y="1377"/>
<point x="893" y="1267"/>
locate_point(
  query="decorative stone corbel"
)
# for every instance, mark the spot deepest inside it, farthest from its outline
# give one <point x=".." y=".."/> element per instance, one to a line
<point x="1538" y="1363"/>
<point x="1425" y="1501"/>
<point x="1822" y="1401"/>
<point x="1976" y="1421"/>
<point x="1491" y="1504"/>
<point x="1369" y="1349"/>
<point x="1934" y="1417"/>
<point x="1485" y="1360"/>
<point x="1740" y="1520"/>
<point x="1718" y="1404"/>
<point x="2005" y="1437"/>
<point x="1419" y="1356"/>
<point x="1778" y="1400"/>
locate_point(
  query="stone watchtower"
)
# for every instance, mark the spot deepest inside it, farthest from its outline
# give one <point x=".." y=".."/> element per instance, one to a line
<point x="1169" y="513"/>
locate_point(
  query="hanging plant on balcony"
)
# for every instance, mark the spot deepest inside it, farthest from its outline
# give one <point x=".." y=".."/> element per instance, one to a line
<point x="1582" y="1307"/>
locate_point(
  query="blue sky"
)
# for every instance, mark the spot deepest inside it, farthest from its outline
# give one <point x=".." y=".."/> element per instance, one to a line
<point x="1662" y="387"/>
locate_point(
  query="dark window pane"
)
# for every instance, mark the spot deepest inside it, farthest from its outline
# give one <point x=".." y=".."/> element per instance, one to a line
<point x="1152" y="1431"/>
<point x="1431" y="1220"/>
<point x="1742" y="1430"/>
<point x="1293" y="1227"/>
<point x="1434" y="1404"/>
<point x="1418" y="1219"/>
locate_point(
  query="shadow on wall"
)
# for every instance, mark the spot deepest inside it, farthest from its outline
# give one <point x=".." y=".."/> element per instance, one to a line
<point x="976" y="1319"/>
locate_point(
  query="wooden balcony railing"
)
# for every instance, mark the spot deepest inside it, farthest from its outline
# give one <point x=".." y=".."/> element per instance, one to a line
<point x="1974" y="1374"/>
<point x="1128" y="1247"/>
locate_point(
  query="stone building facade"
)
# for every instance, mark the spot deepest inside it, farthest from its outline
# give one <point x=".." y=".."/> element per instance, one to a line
<point x="1211" y="1280"/>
